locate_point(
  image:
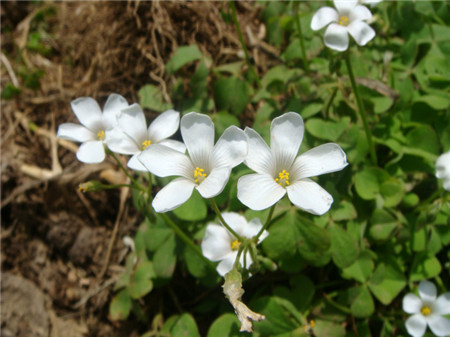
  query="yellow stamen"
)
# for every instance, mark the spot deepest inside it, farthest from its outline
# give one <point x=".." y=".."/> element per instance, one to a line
<point x="101" y="135"/>
<point x="283" y="178"/>
<point x="425" y="310"/>
<point x="343" y="21"/>
<point x="199" y="175"/>
<point x="145" y="144"/>
<point x="312" y="323"/>
<point x="235" y="245"/>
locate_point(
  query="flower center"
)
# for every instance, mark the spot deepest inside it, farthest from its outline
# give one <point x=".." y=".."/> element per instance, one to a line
<point x="199" y="175"/>
<point x="283" y="178"/>
<point x="235" y="245"/>
<point x="343" y="21"/>
<point x="425" y="310"/>
<point x="101" y="135"/>
<point x="145" y="144"/>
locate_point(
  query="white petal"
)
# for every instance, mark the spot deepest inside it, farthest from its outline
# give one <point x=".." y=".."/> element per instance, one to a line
<point x="132" y="122"/>
<point x="443" y="166"/>
<point x="75" y="133"/>
<point x="216" y="244"/>
<point x="371" y="2"/>
<point x="91" y="152"/>
<point x="163" y="161"/>
<point x="88" y="113"/>
<point x="252" y="228"/>
<point x="416" y="325"/>
<point x="259" y="157"/>
<point x="361" y="32"/>
<point x="439" y="325"/>
<point x="231" y="148"/>
<point x="215" y="182"/>
<point x="323" y="17"/>
<point x="442" y="304"/>
<point x="286" y="135"/>
<point x="309" y="196"/>
<point x="322" y="159"/>
<point x="227" y="263"/>
<point x="259" y="191"/>
<point x="360" y="13"/>
<point x="336" y="37"/>
<point x="111" y="110"/>
<point x="135" y="164"/>
<point x="174" y="194"/>
<point x="197" y="131"/>
<point x="446" y="184"/>
<point x="412" y="304"/>
<point x="237" y="222"/>
<point x="345" y="7"/>
<point x="164" y="126"/>
<point x="427" y="291"/>
<point x="174" y="144"/>
<point x="119" y="142"/>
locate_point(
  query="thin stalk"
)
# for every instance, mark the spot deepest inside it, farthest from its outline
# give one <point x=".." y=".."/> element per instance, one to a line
<point x="337" y="305"/>
<point x="186" y="239"/>
<point x="222" y="220"/>
<point x="244" y="47"/>
<point x="361" y="111"/>
<point x="330" y="100"/>
<point x="302" y="43"/>
<point x="122" y="167"/>
<point x="269" y="218"/>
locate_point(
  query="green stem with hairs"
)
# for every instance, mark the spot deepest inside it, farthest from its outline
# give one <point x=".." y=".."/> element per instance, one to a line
<point x="244" y="47"/>
<point x="361" y="110"/>
<point x="222" y="220"/>
<point x="268" y="220"/>
<point x="186" y="239"/>
<point x="117" y="160"/>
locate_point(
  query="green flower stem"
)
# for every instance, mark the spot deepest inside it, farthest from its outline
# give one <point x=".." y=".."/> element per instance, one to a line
<point x="222" y="220"/>
<point x="361" y="110"/>
<point x="108" y="151"/>
<point x="302" y="43"/>
<point x="329" y="101"/>
<point x="244" y="47"/>
<point x="268" y="220"/>
<point x="337" y="305"/>
<point x="186" y="239"/>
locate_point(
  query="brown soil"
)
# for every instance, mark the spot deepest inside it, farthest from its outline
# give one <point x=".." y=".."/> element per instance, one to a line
<point x="55" y="238"/>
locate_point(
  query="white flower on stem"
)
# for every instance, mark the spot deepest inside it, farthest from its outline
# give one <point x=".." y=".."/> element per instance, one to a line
<point x="94" y="124"/>
<point x="131" y="136"/>
<point x="426" y="309"/>
<point x="280" y="171"/>
<point x="347" y="18"/>
<point x="443" y="169"/>
<point x="207" y="168"/>
<point x="220" y="245"/>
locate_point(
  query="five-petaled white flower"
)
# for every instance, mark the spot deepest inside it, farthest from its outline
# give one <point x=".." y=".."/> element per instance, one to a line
<point x="443" y="169"/>
<point x="279" y="170"/>
<point x="427" y="310"/>
<point x="347" y="19"/>
<point x="207" y="168"/>
<point x="220" y="245"/>
<point x="92" y="132"/>
<point x="131" y="135"/>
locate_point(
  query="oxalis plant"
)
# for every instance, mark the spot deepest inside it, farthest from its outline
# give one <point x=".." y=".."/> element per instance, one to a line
<point x="271" y="203"/>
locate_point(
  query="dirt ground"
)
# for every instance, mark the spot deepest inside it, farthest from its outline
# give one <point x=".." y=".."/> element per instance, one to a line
<point x="57" y="277"/>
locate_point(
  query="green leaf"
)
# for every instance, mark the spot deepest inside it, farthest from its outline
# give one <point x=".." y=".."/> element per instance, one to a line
<point x="368" y="182"/>
<point x="283" y="239"/>
<point x="120" y="306"/>
<point x="140" y="281"/>
<point x="311" y="110"/>
<point x="328" y="329"/>
<point x="156" y="235"/>
<point x="422" y="141"/>
<point x="164" y="259"/>
<point x="387" y="281"/>
<point x="344" y="250"/>
<point x="344" y="211"/>
<point x="361" y="269"/>
<point x="195" y="264"/>
<point x="231" y="94"/>
<point x="303" y="292"/>
<point x="192" y="210"/>
<point x="185" y="326"/>
<point x="223" y="120"/>
<point x="182" y="56"/>
<point x="226" y="325"/>
<point x="424" y="267"/>
<point x="327" y="130"/>
<point x="382" y="224"/>
<point x="362" y="305"/>
<point x="433" y="101"/>
<point x="381" y="104"/>
<point x="314" y="242"/>
<point x="392" y="192"/>
<point x="151" y="97"/>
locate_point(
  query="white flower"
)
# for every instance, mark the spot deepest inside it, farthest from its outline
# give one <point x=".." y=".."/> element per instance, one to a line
<point x="92" y="132"/>
<point x="279" y="170"/>
<point x="220" y="245"/>
<point x="207" y="168"/>
<point x="372" y="3"/>
<point x="443" y="169"/>
<point x="131" y="135"/>
<point x="427" y="310"/>
<point x="347" y="19"/>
